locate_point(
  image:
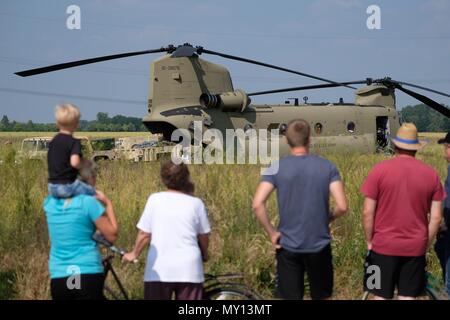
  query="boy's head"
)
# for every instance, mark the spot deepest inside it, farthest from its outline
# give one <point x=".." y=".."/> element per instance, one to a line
<point x="67" y="116"/>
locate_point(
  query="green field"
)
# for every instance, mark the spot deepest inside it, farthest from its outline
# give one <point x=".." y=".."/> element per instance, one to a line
<point x="238" y="243"/>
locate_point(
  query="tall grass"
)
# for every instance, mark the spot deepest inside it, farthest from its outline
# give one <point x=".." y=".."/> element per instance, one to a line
<point x="238" y="243"/>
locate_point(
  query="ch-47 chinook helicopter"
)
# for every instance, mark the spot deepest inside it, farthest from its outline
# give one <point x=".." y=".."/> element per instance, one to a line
<point x="185" y="88"/>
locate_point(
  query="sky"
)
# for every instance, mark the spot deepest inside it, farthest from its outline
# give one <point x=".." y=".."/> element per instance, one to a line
<point x="327" y="38"/>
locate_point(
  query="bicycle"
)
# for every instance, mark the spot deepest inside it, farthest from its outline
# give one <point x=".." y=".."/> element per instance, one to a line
<point x="107" y="265"/>
<point x="216" y="287"/>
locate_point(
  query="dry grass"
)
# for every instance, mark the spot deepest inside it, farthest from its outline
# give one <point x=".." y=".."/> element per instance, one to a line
<point x="238" y="243"/>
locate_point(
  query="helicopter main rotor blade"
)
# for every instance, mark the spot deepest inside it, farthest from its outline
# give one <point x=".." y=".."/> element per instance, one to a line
<point x="431" y="103"/>
<point x="424" y="88"/>
<point x="317" y="86"/>
<point x="227" y="56"/>
<point x="66" y="65"/>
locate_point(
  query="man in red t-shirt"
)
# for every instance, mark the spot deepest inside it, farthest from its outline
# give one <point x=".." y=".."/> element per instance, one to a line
<point x="402" y="213"/>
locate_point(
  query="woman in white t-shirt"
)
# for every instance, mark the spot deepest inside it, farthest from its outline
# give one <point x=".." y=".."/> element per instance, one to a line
<point x="176" y="226"/>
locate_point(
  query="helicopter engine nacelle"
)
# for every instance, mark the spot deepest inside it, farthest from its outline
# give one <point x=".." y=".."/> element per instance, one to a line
<point x="228" y="101"/>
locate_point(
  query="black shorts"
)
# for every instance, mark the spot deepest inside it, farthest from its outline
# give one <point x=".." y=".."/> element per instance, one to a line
<point x="91" y="288"/>
<point x="291" y="268"/>
<point x="407" y="274"/>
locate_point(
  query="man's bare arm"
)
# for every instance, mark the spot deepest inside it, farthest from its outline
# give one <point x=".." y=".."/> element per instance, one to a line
<point x="338" y="194"/>
<point x="260" y="210"/>
<point x="370" y="206"/>
<point x="435" y="220"/>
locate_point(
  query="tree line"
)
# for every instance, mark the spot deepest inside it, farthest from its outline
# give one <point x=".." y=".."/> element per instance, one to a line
<point x="425" y="118"/>
<point x="102" y="123"/>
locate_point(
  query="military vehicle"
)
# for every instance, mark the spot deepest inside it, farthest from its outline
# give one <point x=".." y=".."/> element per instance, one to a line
<point x="101" y="149"/>
<point x="34" y="148"/>
<point x="185" y="88"/>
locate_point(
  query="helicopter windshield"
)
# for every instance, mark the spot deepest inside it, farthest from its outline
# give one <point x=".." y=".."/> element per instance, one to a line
<point x="42" y="145"/>
<point x="28" y="146"/>
<point x="103" y="144"/>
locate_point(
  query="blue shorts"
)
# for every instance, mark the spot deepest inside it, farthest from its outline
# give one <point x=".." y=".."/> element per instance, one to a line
<point x="70" y="190"/>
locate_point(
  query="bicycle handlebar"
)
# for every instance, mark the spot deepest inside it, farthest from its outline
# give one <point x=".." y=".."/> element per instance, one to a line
<point x="99" y="238"/>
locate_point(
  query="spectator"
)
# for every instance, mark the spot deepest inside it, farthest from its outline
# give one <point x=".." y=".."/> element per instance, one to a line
<point x="399" y="195"/>
<point x="75" y="264"/>
<point x="175" y="224"/>
<point x="64" y="156"/>
<point x="442" y="246"/>
<point x="302" y="240"/>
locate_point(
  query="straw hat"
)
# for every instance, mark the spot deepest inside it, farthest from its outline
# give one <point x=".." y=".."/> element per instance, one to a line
<point x="407" y="138"/>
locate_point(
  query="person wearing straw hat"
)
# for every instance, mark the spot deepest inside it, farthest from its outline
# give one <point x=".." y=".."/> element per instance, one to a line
<point x="400" y="193"/>
<point x="442" y="246"/>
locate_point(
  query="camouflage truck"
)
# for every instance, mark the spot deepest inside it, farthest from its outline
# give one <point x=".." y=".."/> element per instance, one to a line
<point x="36" y="148"/>
<point x="129" y="148"/>
<point x="150" y="151"/>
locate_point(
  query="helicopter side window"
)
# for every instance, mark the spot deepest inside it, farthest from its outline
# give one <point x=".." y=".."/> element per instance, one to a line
<point x="351" y="127"/>
<point x="318" y="128"/>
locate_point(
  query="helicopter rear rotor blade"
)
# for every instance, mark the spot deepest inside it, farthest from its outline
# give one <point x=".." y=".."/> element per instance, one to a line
<point x="424" y="88"/>
<point x="227" y="56"/>
<point x="311" y="87"/>
<point x="431" y="103"/>
<point x="66" y="65"/>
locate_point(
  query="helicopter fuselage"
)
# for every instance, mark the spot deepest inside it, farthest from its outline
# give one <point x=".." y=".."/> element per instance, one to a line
<point x="343" y="128"/>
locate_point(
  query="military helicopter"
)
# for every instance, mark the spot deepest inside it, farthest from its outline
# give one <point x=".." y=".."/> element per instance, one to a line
<point x="185" y="88"/>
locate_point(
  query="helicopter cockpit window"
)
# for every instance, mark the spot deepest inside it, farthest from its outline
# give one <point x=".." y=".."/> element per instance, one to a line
<point x="42" y="145"/>
<point x="28" y="146"/>
<point x="351" y="127"/>
<point x="318" y="127"/>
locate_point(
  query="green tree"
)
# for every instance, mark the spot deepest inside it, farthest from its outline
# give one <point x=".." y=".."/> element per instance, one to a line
<point x="102" y="117"/>
<point x="425" y="118"/>
<point x="4" y="123"/>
